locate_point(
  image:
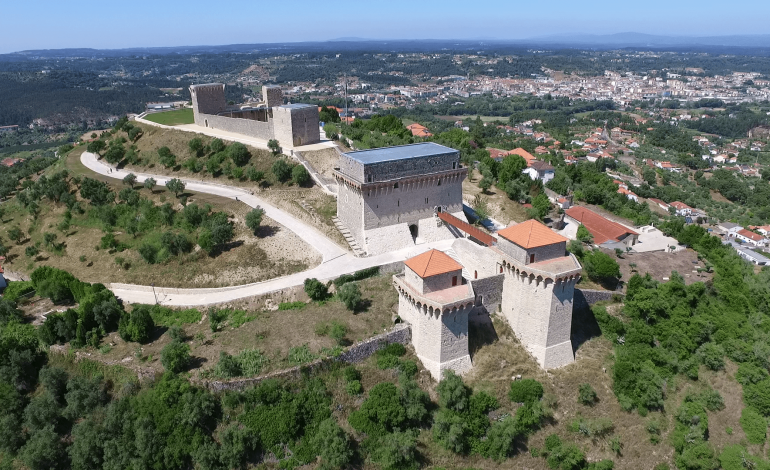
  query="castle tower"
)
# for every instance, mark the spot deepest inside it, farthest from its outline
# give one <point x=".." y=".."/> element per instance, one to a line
<point x="272" y="95"/>
<point x="538" y="288"/>
<point x="207" y="99"/>
<point x="388" y="197"/>
<point x="435" y="301"/>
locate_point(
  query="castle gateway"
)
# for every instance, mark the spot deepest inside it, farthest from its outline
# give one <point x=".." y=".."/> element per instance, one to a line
<point x="389" y="198"/>
<point x="292" y="125"/>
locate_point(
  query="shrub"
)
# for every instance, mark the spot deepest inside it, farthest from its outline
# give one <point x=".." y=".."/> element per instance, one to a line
<point x="754" y="425"/>
<point x="350" y="373"/>
<point x="397" y="451"/>
<point x="350" y="295"/>
<point x="333" y="446"/>
<point x="356" y="276"/>
<point x="175" y="356"/>
<point x="500" y="439"/>
<point x="176" y="333"/>
<point x="316" y="289"/>
<point x="281" y="170"/>
<point x="300" y="175"/>
<point x="17" y="289"/>
<point x="449" y="431"/>
<point x="712" y="356"/>
<point x="748" y="373"/>
<point x="255" y="175"/>
<point x="381" y="412"/>
<point x="300" y="355"/>
<point x="291" y="305"/>
<point x="586" y="394"/>
<point x="354" y="387"/>
<point x="452" y="392"/>
<point x="525" y="391"/>
<point x="137" y="325"/>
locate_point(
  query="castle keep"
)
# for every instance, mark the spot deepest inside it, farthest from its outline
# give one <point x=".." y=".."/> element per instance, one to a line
<point x="389" y="198"/>
<point x="528" y="276"/>
<point x="292" y="125"/>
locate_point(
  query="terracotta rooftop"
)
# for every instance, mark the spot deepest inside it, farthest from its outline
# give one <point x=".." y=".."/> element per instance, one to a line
<point x="531" y="234"/>
<point x="432" y="263"/>
<point x="601" y="228"/>
<point x="522" y="153"/>
<point x="750" y="235"/>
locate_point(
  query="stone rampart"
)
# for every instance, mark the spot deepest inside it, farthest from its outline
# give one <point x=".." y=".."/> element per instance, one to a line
<point x="249" y="127"/>
<point x="401" y="333"/>
<point x="584" y="298"/>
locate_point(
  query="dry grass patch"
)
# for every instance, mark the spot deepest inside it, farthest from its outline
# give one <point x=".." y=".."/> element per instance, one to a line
<point x="501" y="208"/>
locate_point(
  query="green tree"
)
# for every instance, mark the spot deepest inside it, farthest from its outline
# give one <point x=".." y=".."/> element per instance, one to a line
<point x="586" y="394"/>
<point x="254" y="219"/>
<point x="540" y="206"/>
<point x="175" y="356"/>
<point x="175" y="185"/>
<point x="350" y="295"/>
<point x="255" y="175"/>
<point x="217" y="145"/>
<point x="238" y="153"/>
<point x="452" y="392"/>
<point x="397" y="451"/>
<point x="196" y="146"/>
<point x="15" y="234"/>
<point x="167" y="159"/>
<point x="300" y="175"/>
<point x="316" y="289"/>
<point x="600" y="266"/>
<point x="281" y="170"/>
<point x="130" y="180"/>
<point x="333" y="445"/>
<point x="149" y="183"/>
<point x="584" y="235"/>
<point x="44" y="451"/>
<point x="510" y="169"/>
<point x="96" y="146"/>
<point x="274" y="146"/>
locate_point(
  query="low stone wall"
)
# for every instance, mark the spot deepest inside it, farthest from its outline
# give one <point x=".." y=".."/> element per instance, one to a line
<point x="356" y="353"/>
<point x="584" y="298"/>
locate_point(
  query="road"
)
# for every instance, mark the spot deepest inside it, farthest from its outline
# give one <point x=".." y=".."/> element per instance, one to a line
<point x="336" y="260"/>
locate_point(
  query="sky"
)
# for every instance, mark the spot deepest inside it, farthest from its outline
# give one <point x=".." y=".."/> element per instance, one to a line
<point x="56" y="24"/>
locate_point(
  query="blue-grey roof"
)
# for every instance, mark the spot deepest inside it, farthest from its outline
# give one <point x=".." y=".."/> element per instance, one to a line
<point x="297" y="106"/>
<point x="402" y="152"/>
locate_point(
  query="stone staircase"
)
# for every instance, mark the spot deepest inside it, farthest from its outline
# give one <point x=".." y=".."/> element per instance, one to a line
<point x="452" y="254"/>
<point x="357" y="251"/>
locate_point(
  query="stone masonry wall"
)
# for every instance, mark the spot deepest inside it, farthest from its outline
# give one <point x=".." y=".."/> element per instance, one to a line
<point x="401" y="333"/>
<point x="258" y="129"/>
<point x="407" y="203"/>
<point x="295" y="126"/>
<point x="385" y="239"/>
<point x="489" y="294"/>
<point x="584" y="298"/>
<point x="543" y="253"/>
<point x="350" y="209"/>
<point x="207" y="99"/>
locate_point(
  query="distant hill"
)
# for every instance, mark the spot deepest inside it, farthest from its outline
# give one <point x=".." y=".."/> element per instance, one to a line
<point x="740" y="44"/>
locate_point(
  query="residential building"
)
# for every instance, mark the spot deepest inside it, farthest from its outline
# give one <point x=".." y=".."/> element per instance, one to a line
<point x="681" y="208"/>
<point x="751" y="238"/>
<point x="729" y="229"/>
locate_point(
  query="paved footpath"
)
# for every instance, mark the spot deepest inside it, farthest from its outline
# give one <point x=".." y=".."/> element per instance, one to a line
<point x="336" y="260"/>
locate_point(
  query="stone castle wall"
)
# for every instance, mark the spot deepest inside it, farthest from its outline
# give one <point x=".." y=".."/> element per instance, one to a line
<point x="258" y="129"/>
<point x="296" y="126"/>
<point x="541" y="253"/>
<point x="208" y="99"/>
<point x="412" y="201"/>
<point x="489" y="294"/>
<point x="385" y="239"/>
<point x="272" y="95"/>
<point x="350" y="210"/>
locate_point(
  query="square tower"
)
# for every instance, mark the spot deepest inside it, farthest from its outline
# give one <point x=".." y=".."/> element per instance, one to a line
<point x="435" y="301"/>
<point x="538" y="289"/>
<point x="388" y="197"/>
<point x="207" y="99"/>
<point x="272" y="95"/>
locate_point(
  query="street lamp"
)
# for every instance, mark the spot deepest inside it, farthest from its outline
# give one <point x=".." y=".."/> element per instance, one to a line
<point x="153" y="293"/>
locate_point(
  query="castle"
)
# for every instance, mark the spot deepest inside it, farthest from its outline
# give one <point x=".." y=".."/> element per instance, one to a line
<point x="391" y="198"/>
<point x="527" y="275"/>
<point x="292" y="125"/>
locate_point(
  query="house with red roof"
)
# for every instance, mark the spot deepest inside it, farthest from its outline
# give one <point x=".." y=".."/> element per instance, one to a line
<point x="602" y="229"/>
<point x="419" y="130"/>
<point x="751" y="238"/>
<point x="681" y="208"/>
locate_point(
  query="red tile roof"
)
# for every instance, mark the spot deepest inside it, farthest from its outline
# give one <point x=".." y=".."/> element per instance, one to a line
<point x="602" y="229"/>
<point x="531" y="234"/>
<point x="750" y="235"/>
<point x="680" y="205"/>
<point x="467" y="228"/>
<point x="432" y="263"/>
<point x="523" y="153"/>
